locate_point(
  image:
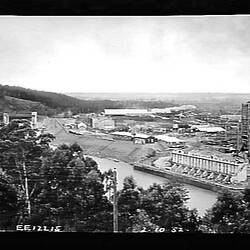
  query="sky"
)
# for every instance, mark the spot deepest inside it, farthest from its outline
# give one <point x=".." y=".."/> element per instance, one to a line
<point x="126" y="54"/>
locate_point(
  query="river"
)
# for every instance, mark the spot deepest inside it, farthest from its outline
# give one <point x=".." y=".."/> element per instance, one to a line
<point x="200" y="199"/>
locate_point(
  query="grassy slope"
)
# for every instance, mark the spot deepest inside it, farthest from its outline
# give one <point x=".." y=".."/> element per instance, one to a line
<point x="16" y="105"/>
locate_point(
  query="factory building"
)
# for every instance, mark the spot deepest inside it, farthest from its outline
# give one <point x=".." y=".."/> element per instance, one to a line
<point x="208" y="129"/>
<point x="209" y="167"/>
<point x="137" y="138"/>
<point x="132" y="112"/>
<point x="102" y="122"/>
<point x="124" y="112"/>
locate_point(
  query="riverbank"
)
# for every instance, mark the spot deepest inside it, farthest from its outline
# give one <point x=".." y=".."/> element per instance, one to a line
<point x="199" y="198"/>
<point x="201" y="183"/>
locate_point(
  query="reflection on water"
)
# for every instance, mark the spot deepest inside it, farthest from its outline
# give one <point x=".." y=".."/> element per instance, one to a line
<point x="200" y="199"/>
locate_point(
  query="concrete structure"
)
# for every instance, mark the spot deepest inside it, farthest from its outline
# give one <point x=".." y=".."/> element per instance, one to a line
<point x="209" y="167"/>
<point x="243" y="140"/>
<point x="102" y="122"/>
<point x="32" y="117"/>
<point x="244" y="127"/>
<point x="6" y="118"/>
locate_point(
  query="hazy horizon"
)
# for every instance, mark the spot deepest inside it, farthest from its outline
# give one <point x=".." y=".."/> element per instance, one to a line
<point x="234" y="93"/>
<point x="91" y="54"/>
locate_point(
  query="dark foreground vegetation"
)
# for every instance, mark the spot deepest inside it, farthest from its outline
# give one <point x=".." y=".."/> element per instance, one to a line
<point x="61" y="187"/>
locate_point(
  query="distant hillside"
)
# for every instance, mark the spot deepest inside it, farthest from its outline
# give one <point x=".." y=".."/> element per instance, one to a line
<point x="15" y="105"/>
<point x="14" y="98"/>
<point x="18" y="99"/>
<point x="55" y="101"/>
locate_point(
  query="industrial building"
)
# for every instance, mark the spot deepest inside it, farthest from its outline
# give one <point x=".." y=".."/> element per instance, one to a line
<point x="208" y="129"/>
<point x="137" y="138"/>
<point x="102" y="122"/>
<point x="131" y="112"/>
<point x="143" y="138"/>
<point x="209" y="167"/>
<point x="122" y="135"/>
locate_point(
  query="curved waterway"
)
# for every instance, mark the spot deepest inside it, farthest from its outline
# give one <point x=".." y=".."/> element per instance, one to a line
<point x="200" y="199"/>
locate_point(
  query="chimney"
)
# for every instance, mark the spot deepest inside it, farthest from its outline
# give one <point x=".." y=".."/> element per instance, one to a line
<point x="6" y="118"/>
<point x="34" y="119"/>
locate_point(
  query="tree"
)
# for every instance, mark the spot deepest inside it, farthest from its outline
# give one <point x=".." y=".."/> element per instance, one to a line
<point x="21" y="150"/>
<point x="9" y="205"/>
<point x="141" y="223"/>
<point x="245" y="221"/>
<point x="166" y="206"/>
<point x="128" y="202"/>
<point x="72" y="193"/>
<point x="227" y="214"/>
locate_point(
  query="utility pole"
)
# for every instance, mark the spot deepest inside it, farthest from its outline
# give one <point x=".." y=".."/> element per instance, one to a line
<point x="27" y="198"/>
<point x="115" y="206"/>
<point x="111" y="186"/>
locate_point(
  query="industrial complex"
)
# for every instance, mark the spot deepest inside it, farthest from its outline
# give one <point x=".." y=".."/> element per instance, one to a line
<point x="210" y="148"/>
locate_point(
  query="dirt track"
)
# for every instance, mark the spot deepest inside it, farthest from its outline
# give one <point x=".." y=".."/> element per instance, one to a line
<point x="122" y="150"/>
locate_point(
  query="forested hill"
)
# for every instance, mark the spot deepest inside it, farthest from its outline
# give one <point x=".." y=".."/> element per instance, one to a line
<point x="48" y="103"/>
<point x="19" y="99"/>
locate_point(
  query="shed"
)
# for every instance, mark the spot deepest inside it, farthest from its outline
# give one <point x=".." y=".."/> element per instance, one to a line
<point x="143" y="138"/>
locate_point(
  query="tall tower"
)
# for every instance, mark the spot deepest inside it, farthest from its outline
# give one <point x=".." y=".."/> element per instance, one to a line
<point x="33" y="119"/>
<point x="245" y="134"/>
<point x="6" y="118"/>
<point x="245" y="123"/>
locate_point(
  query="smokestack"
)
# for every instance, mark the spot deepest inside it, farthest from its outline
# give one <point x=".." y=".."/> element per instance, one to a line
<point x="34" y="119"/>
<point x="6" y="118"/>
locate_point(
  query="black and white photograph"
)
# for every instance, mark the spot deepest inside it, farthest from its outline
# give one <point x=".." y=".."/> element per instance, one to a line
<point x="125" y="124"/>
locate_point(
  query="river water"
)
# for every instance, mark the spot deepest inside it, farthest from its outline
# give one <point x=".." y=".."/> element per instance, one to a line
<point x="200" y="199"/>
